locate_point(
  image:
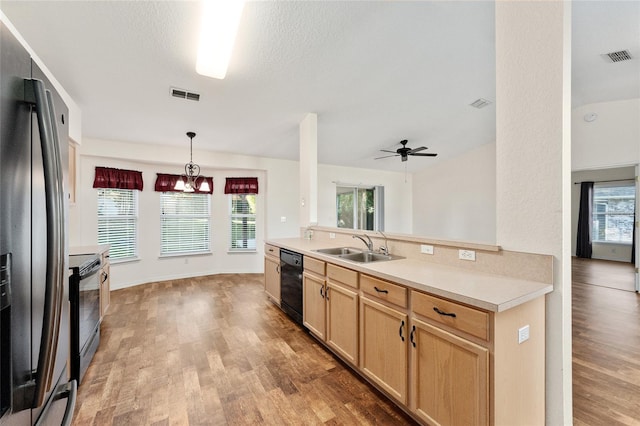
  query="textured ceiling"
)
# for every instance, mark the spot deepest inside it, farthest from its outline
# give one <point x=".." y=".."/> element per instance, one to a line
<point x="374" y="72"/>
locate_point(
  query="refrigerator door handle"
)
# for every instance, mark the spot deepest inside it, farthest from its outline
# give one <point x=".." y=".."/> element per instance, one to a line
<point x="71" y="403"/>
<point x="55" y="239"/>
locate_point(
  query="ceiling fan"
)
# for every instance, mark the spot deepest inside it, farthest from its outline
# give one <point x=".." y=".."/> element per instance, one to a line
<point x="404" y="152"/>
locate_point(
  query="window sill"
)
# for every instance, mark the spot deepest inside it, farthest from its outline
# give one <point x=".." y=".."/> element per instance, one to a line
<point x="241" y="251"/>
<point x="121" y="261"/>
<point x="612" y="243"/>
<point x="173" y="255"/>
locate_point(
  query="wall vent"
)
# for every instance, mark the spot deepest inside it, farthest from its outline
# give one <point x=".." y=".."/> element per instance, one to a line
<point x="622" y="55"/>
<point x="480" y="103"/>
<point x="183" y="94"/>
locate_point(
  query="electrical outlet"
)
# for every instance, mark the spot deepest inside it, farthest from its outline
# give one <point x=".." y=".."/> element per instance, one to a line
<point x="283" y="219"/>
<point x="332" y="235"/>
<point x="467" y="255"/>
<point x="523" y="334"/>
<point x="426" y="249"/>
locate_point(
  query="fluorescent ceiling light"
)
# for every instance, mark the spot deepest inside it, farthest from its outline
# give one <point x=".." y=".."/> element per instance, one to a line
<point x="219" y="25"/>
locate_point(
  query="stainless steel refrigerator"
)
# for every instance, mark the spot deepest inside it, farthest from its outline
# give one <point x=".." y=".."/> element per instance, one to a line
<point x="34" y="302"/>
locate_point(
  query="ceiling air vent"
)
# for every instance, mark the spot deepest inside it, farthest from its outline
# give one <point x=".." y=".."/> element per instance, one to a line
<point x="183" y="94"/>
<point x="622" y="55"/>
<point x="480" y="103"/>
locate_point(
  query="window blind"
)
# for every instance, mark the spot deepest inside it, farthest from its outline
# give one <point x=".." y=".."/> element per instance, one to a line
<point x="242" y="222"/>
<point x="118" y="222"/>
<point x="185" y="223"/>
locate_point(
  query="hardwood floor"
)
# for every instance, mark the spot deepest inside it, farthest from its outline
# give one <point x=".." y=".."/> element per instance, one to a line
<point x="606" y="345"/>
<point x="214" y="351"/>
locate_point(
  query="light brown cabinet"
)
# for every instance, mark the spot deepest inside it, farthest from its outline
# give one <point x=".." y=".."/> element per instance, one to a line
<point x="105" y="284"/>
<point x="272" y="272"/>
<point x="313" y="303"/>
<point x="450" y="380"/>
<point x="342" y="313"/>
<point x="383" y="347"/>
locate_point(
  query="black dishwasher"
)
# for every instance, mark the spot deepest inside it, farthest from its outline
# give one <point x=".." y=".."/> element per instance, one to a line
<point x="291" y="284"/>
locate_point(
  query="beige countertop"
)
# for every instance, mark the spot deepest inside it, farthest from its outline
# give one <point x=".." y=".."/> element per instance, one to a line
<point x="97" y="249"/>
<point x="491" y="292"/>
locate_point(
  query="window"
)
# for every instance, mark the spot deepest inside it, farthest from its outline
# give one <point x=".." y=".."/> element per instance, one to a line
<point x="360" y="207"/>
<point x="613" y="207"/>
<point x="118" y="222"/>
<point x="185" y="223"/>
<point x="242" y="219"/>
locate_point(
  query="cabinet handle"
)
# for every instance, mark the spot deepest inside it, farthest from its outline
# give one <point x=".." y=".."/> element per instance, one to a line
<point x="446" y="314"/>
<point x="400" y="331"/>
<point x="321" y="293"/>
<point x="278" y="269"/>
<point x="380" y="291"/>
<point x="413" y="332"/>
<point x="104" y="277"/>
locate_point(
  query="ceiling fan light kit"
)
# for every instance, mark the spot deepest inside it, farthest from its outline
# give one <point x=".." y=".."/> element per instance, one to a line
<point x="404" y="152"/>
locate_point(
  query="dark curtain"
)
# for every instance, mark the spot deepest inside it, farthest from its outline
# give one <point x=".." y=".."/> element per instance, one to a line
<point x="107" y="177"/>
<point x="243" y="185"/>
<point x="583" y="244"/>
<point x="167" y="183"/>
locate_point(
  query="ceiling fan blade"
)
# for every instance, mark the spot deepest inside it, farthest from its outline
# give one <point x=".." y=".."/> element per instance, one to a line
<point x="422" y="148"/>
<point x="386" y="156"/>
<point x="423" y="155"/>
<point x="386" y="150"/>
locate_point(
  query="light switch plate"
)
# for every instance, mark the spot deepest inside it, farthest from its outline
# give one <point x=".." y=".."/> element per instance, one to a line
<point x="283" y="219"/>
<point x="332" y="235"/>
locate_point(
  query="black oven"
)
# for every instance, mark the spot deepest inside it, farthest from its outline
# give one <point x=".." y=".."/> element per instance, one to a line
<point x="84" y="295"/>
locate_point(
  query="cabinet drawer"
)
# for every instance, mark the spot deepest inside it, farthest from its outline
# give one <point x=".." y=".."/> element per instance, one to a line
<point x="342" y="275"/>
<point x="270" y="250"/>
<point x="314" y="265"/>
<point x="384" y="290"/>
<point x="466" y="319"/>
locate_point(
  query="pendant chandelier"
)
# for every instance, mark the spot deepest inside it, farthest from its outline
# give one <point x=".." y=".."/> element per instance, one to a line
<point x="189" y="181"/>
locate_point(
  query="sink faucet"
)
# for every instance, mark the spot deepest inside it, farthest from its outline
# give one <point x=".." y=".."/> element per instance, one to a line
<point x="384" y="249"/>
<point x="368" y="244"/>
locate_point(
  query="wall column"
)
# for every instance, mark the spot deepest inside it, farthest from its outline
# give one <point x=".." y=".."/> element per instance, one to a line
<point x="309" y="170"/>
<point x="533" y="164"/>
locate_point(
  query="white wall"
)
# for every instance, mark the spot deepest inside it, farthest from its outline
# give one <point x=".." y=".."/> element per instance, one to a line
<point x="607" y="251"/>
<point x="75" y="114"/>
<point x="397" y="194"/>
<point x="612" y="140"/>
<point x="277" y="198"/>
<point x="456" y="199"/>
<point x="533" y="165"/>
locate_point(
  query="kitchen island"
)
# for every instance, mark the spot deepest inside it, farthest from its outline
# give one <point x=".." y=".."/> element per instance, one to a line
<point x="449" y="345"/>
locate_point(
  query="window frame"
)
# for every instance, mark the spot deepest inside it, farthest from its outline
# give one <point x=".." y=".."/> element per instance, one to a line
<point x="606" y="214"/>
<point x="378" y="205"/>
<point x="164" y="216"/>
<point x="134" y="216"/>
<point x="233" y="216"/>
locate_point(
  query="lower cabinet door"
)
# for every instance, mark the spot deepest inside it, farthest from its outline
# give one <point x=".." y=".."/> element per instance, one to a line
<point x="272" y="277"/>
<point x="342" y="321"/>
<point x="384" y="335"/>
<point x="313" y="304"/>
<point x="450" y="380"/>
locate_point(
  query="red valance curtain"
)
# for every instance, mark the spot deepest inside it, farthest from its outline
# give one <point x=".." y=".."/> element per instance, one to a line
<point x="242" y="185"/>
<point x="167" y="183"/>
<point x="107" y="177"/>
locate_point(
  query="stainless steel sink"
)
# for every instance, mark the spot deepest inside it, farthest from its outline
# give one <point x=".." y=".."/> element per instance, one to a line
<point x="367" y="257"/>
<point x="338" y="251"/>
<point x="357" y="255"/>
